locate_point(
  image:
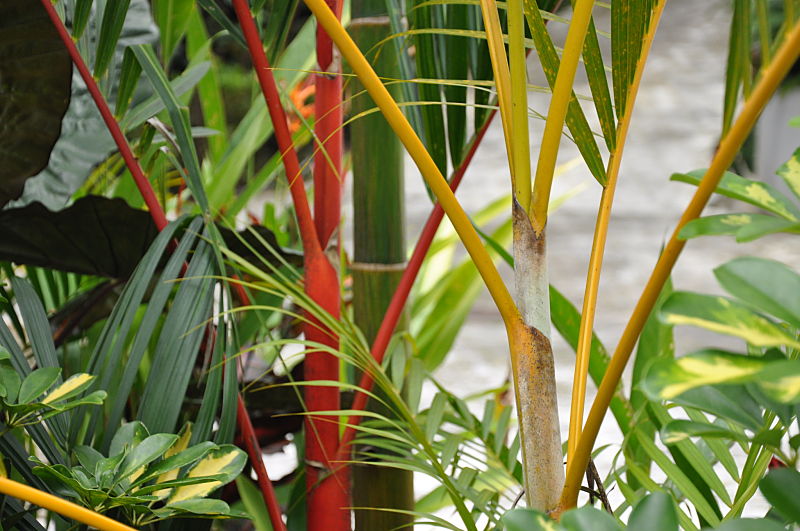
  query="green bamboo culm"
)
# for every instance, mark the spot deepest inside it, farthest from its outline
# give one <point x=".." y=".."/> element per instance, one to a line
<point x="379" y="249"/>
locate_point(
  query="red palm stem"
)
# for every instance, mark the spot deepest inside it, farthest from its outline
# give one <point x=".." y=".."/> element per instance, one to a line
<point x="328" y="492"/>
<point x="257" y="461"/>
<point x="308" y="232"/>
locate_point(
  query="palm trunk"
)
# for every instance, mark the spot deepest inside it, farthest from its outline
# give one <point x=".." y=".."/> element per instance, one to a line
<point x="534" y="370"/>
<point x="327" y="484"/>
<point x="379" y="254"/>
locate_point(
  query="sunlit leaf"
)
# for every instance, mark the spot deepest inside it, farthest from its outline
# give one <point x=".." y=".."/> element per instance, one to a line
<point x="724" y="316"/>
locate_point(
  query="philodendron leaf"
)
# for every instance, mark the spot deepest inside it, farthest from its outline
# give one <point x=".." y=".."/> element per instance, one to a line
<point x="655" y="512"/>
<point x="768" y="285"/>
<point x="36" y="74"/>
<point x="756" y="193"/>
<point x="725" y="316"/>
<point x="781" y="487"/>
<point x="37" y="383"/>
<point x="779" y="380"/>
<point x="226" y="461"/>
<point x="77" y="240"/>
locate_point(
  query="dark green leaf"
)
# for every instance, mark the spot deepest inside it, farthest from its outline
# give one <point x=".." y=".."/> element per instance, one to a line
<point x="172" y="17"/>
<point x="80" y="17"/>
<point x="529" y="520"/>
<point x="751" y="524"/>
<point x="656" y="512"/>
<point x="586" y="518"/>
<point x="110" y="31"/>
<point x="781" y="488"/>
<point x="768" y="285"/>
<point x="84" y="238"/>
<point x="128" y="436"/>
<point x="36" y="74"/>
<point x="37" y="383"/>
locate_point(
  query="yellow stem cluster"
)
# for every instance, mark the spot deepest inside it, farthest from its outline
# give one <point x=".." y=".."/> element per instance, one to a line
<point x="729" y="147"/>
<point x="583" y="350"/>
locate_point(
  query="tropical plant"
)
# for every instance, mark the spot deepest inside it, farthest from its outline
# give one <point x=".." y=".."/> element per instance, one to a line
<point x="156" y="315"/>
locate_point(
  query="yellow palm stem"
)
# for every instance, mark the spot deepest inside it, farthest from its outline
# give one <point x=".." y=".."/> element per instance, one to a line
<point x="431" y="174"/>
<point x="729" y="147"/>
<point x="63" y="507"/>
<point x="599" y="244"/>
<point x="562" y="93"/>
<point x="502" y="76"/>
<point x="520" y="144"/>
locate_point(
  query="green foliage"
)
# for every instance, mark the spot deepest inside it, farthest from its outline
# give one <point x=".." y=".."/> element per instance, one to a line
<point x="149" y="478"/>
<point x="22" y="401"/>
<point x="782" y="212"/>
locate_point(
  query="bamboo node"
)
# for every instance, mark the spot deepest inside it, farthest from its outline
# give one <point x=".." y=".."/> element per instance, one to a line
<point x="375" y="267"/>
<point x="383" y="20"/>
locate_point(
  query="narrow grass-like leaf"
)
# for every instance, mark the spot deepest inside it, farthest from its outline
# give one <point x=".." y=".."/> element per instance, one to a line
<point x="217" y="13"/>
<point x="128" y="80"/>
<point x="576" y="119"/>
<point x="680" y="480"/>
<point x="738" y="60"/>
<point x="209" y="89"/>
<point x="598" y="84"/>
<point x="134" y="293"/>
<point x="80" y="17"/>
<point x="426" y="58"/>
<point x="178" y="344"/>
<point x="456" y="67"/>
<point x="110" y="30"/>
<point x="172" y="17"/>
<point x="566" y="319"/>
<point x="179" y="117"/>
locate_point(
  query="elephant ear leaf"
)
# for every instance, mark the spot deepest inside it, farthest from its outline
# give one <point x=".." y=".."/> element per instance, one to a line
<point x="36" y="75"/>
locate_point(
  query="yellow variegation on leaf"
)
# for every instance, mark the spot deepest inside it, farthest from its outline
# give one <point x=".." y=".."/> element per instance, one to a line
<point x="227" y="460"/>
<point x="72" y="386"/>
